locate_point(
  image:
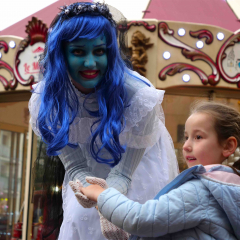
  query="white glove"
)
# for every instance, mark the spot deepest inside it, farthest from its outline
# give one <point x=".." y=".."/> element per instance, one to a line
<point x="99" y="181"/>
<point x="82" y="199"/>
<point x="109" y="230"/>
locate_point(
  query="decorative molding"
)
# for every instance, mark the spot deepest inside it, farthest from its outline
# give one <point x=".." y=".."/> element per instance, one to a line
<point x="37" y="33"/>
<point x="174" y="68"/>
<point x="3" y="65"/>
<point x="167" y="35"/>
<point x="23" y="44"/>
<point x="8" y="84"/>
<point x="150" y="28"/>
<point x="230" y="42"/>
<point x="202" y="34"/>
<point x="4" y="45"/>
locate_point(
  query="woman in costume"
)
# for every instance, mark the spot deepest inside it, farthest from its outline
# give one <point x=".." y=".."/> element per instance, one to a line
<point x="98" y="116"/>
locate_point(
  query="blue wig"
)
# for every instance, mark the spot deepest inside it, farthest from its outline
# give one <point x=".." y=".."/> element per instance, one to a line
<point x="59" y="103"/>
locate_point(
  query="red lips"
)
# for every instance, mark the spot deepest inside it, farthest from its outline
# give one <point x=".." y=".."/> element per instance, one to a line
<point x="89" y="74"/>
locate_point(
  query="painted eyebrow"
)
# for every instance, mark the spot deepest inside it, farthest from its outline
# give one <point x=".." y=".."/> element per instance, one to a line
<point x="100" y="45"/>
<point x="73" y="45"/>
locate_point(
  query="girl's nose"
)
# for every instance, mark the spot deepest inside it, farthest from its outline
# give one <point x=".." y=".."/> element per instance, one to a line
<point x="89" y="62"/>
<point x="187" y="147"/>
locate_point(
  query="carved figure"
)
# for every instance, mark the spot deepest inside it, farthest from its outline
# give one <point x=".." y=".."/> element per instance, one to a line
<point x="138" y="52"/>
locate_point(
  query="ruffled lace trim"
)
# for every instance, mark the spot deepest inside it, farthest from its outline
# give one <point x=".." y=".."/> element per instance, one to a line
<point x="142" y="104"/>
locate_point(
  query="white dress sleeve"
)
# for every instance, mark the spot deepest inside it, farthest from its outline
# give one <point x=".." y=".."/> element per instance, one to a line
<point x="75" y="164"/>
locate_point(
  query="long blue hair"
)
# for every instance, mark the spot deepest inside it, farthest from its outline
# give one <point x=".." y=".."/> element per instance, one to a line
<point x="59" y="103"/>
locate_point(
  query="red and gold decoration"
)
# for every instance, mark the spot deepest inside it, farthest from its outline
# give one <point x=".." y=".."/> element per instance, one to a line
<point x="3" y="65"/>
<point x="167" y="35"/>
<point x="25" y="66"/>
<point x="29" y="50"/>
<point x="150" y="28"/>
<point x="226" y="66"/>
<point x="203" y="34"/>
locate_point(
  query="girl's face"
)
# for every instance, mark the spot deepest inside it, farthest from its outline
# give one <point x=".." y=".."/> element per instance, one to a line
<point x="201" y="142"/>
<point x="86" y="61"/>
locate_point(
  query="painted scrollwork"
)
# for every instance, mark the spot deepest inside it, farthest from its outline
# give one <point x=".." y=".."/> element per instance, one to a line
<point x="3" y="65"/>
<point x="167" y="35"/>
<point x="203" y="34"/>
<point x="150" y="28"/>
<point x="138" y="50"/>
<point x="4" y="46"/>
<point x="8" y="84"/>
<point x="174" y="68"/>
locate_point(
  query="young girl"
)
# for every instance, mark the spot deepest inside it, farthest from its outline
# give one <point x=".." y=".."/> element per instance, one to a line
<point x="203" y="202"/>
<point x="101" y="118"/>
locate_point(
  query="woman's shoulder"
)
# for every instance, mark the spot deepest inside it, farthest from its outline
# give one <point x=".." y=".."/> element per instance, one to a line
<point x="140" y="90"/>
<point x="133" y="81"/>
<point x="139" y="86"/>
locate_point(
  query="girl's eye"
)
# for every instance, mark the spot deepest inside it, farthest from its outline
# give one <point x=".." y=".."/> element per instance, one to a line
<point x="78" y="52"/>
<point x="185" y="138"/>
<point x="198" y="137"/>
<point x="99" y="52"/>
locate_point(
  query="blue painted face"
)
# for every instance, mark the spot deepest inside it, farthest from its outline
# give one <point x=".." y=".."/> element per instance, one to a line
<point x="86" y="61"/>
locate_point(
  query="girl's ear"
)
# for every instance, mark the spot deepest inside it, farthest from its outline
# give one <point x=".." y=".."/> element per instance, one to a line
<point x="229" y="146"/>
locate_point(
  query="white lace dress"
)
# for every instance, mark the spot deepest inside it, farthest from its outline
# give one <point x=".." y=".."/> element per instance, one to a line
<point x="147" y="166"/>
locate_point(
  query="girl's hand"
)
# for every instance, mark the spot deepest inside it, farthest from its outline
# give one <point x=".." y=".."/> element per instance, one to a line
<point x="82" y="199"/>
<point x="92" y="192"/>
<point x="87" y="197"/>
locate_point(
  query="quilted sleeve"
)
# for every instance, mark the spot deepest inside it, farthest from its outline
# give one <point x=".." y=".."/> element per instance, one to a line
<point x="180" y="209"/>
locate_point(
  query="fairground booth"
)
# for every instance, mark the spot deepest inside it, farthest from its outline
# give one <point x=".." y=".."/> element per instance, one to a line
<point x="189" y="48"/>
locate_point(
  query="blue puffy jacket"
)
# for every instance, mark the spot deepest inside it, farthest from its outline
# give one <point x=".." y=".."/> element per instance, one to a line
<point x="201" y="203"/>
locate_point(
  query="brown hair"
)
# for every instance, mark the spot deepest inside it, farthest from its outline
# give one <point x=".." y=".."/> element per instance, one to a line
<point x="226" y="121"/>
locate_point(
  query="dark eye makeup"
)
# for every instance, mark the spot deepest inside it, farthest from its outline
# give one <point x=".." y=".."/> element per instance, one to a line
<point x="77" y="52"/>
<point x="81" y="52"/>
<point x="99" y="51"/>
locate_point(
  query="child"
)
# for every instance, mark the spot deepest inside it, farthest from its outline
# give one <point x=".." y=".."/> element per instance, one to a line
<point x="203" y="202"/>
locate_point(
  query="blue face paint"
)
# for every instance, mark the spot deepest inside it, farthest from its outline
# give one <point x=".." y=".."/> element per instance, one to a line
<point x="86" y="61"/>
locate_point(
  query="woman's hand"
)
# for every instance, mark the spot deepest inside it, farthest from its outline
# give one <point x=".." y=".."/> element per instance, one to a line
<point x="92" y="192"/>
<point x="81" y="198"/>
<point x="87" y="196"/>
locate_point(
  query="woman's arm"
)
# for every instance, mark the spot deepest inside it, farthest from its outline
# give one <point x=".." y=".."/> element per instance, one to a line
<point x="120" y="176"/>
<point x="75" y="164"/>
